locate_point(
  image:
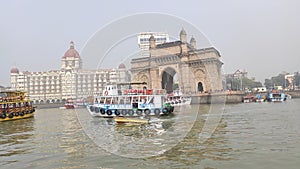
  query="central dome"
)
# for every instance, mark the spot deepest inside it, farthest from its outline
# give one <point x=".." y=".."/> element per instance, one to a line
<point x="14" y="70"/>
<point x="71" y="52"/>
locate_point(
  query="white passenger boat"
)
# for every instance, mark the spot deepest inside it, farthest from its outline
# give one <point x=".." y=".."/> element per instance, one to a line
<point x="276" y="96"/>
<point x="112" y="103"/>
<point x="177" y="98"/>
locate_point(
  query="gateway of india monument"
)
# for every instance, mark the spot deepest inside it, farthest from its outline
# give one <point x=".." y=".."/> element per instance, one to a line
<point x="197" y="70"/>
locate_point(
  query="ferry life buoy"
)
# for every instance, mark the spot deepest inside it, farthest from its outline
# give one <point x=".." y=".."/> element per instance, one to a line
<point x="106" y="93"/>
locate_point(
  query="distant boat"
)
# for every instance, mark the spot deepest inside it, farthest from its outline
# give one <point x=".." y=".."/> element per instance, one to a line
<point x="15" y="105"/>
<point x="276" y="96"/>
<point x="178" y="99"/>
<point x="74" y="103"/>
<point x="251" y="98"/>
<point x="248" y="99"/>
<point x="259" y="98"/>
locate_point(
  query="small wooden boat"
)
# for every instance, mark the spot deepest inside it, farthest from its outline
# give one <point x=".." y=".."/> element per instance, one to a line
<point x="130" y="120"/>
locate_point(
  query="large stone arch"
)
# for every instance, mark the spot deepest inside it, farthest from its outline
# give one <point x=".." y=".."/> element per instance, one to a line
<point x="167" y="78"/>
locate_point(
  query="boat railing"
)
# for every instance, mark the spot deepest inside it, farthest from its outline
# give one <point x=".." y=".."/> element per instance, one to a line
<point x="144" y="92"/>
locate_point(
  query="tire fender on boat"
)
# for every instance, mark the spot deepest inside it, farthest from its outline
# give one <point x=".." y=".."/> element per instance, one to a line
<point x="108" y="112"/>
<point x="139" y="112"/>
<point x="11" y="115"/>
<point x="123" y="112"/>
<point x="147" y="112"/>
<point x="92" y="108"/>
<point x="102" y="111"/>
<point x="156" y="111"/>
<point x="117" y="113"/>
<point x="3" y="116"/>
<point x="130" y="112"/>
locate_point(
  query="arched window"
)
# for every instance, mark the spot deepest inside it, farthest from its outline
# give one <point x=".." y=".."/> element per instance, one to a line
<point x="200" y="87"/>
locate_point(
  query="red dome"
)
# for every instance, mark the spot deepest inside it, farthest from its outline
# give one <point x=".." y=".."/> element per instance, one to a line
<point x="14" y="70"/>
<point x="71" y="52"/>
<point x="122" y="66"/>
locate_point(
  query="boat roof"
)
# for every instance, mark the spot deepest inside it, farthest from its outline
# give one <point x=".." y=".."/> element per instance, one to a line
<point x="13" y="91"/>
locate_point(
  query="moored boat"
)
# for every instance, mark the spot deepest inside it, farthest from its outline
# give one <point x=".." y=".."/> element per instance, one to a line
<point x="276" y="96"/>
<point x="74" y="103"/>
<point x="248" y="99"/>
<point x="15" y="105"/>
<point x="178" y="99"/>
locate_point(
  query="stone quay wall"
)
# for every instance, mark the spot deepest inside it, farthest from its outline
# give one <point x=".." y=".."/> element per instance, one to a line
<point x="218" y="98"/>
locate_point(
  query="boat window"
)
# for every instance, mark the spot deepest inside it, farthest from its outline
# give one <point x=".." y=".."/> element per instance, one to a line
<point x="135" y="105"/>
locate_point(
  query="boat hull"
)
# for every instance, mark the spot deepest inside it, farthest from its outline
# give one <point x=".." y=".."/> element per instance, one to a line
<point x="29" y="115"/>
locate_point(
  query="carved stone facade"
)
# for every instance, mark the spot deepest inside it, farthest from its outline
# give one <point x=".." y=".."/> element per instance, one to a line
<point x="197" y="70"/>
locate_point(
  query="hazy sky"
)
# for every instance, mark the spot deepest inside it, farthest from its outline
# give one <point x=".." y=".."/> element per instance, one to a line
<point x="262" y="37"/>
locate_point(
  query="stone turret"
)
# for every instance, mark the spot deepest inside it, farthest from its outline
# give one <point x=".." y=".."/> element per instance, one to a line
<point x="183" y="36"/>
<point x="152" y="42"/>
<point x="193" y="42"/>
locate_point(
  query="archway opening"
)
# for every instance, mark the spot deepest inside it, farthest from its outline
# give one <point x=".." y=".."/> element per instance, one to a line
<point x="200" y="87"/>
<point x="168" y="80"/>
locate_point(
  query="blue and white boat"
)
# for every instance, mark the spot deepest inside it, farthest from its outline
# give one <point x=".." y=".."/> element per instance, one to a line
<point x="276" y="96"/>
<point x="112" y="103"/>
